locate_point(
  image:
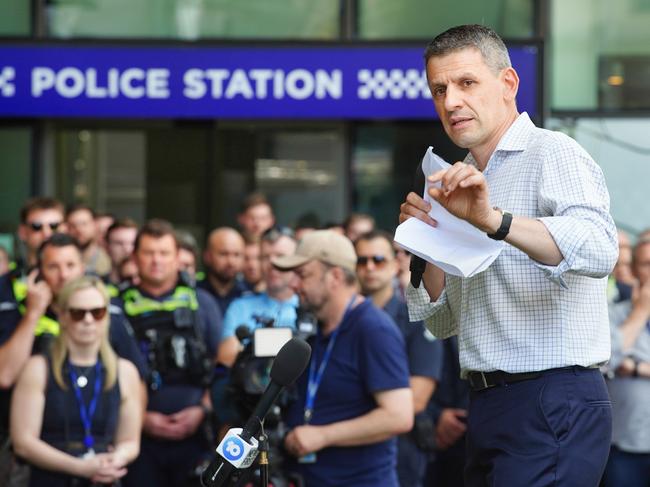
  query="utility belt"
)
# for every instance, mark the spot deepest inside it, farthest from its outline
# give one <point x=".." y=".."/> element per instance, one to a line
<point x="170" y="337"/>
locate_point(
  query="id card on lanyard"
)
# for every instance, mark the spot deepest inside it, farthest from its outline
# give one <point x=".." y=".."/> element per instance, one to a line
<point x="316" y="376"/>
<point x="86" y="413"/>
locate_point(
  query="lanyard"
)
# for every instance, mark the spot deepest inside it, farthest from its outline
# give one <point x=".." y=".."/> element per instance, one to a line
<point x="87" y="413"/>
<point x="316" y="377"/>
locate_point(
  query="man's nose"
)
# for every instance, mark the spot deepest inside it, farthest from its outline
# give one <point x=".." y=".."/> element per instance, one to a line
<point x="453" y="99"/>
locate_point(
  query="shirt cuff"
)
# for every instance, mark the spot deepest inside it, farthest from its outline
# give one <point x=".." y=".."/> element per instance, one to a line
<point x="419" y="302"/>
<point x="569" y="236"/>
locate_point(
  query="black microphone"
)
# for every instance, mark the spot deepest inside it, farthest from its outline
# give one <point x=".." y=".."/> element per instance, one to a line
<point x="239" y="452"/>
<point x="418" y="264"/>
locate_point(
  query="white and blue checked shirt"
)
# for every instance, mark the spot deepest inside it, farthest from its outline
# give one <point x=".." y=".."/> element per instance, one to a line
<point x="520" y="315"/>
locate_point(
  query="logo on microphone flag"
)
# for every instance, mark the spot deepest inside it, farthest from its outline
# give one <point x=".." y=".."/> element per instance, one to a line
<point x="236" y="451"/>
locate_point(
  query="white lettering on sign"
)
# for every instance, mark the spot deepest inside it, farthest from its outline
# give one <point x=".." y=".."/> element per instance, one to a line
<point x="260" y="84"/>
<point x="71" y="82"/>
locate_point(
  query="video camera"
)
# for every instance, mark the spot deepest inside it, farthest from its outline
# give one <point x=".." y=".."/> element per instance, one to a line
<point x="249" y="377"/>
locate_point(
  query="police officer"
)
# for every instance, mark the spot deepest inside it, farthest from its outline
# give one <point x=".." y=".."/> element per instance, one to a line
<point x="377" y="268"/>
<point x="40" y="218"/>
<point x="178" y="328"/>
<point x="28" y="323"/>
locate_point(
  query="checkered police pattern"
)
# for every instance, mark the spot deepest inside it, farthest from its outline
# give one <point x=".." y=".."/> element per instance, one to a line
<point x="395" y="84"/>
<point x="7" y="88"/>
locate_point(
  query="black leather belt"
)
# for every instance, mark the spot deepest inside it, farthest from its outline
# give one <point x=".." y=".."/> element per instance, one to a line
<point x="484" y="380"/>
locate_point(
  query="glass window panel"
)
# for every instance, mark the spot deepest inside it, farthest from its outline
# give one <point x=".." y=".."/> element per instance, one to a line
<point x="602" y="61"/>
<point x="384" y="160"/>
<point x="301" y="171"/>
<point x="15" y="174"/>
<point x="619" y="146"/>
<point x="193" y="19"/>
<point x="15" y="17"/>
<point x="424" y="18"/>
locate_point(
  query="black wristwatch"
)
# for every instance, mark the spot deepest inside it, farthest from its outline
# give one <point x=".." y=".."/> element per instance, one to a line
<point x="504" y="228"/>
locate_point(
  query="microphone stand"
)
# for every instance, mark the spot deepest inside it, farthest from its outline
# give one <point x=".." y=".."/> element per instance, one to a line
<point x="264" y="459"/>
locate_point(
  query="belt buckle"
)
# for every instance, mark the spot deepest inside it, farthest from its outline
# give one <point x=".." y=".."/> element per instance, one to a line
<point x="481" y="384"/>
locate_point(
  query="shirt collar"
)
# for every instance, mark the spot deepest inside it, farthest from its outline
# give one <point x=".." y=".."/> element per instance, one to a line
<point x="514" y="140"/>
<point x="516" y="137"/>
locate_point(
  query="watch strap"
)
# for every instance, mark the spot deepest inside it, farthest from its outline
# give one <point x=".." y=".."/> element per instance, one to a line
<point x="504" y="228"/>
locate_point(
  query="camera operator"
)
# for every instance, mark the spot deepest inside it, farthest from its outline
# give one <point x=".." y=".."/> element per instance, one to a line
<point x="276" y="307"/>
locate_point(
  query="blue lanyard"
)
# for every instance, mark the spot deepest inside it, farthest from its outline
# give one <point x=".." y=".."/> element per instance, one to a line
<point x="315" y="378"/>
<point x="87" y="413"/>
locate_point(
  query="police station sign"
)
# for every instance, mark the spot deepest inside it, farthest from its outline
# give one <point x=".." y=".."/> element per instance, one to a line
<point x="227" y="82"/>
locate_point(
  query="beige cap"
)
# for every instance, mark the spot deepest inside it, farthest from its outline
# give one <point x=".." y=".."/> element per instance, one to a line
<point x="324" y="245"/>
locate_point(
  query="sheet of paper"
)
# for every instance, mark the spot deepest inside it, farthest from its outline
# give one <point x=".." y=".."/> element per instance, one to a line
<point x="456" y="246"/>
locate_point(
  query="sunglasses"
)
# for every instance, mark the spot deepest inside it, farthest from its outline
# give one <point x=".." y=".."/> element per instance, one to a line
<point x="38" y="226"/>
<point x="78" y="314"/>
<point x="276" y="232"/>
<point x="378" y="260"/>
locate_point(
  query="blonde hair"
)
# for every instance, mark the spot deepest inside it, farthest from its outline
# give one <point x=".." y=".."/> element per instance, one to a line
<point x="59" y="351"/>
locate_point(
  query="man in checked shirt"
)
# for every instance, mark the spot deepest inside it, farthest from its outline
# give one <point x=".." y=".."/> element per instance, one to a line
<point x="533" y="327"/>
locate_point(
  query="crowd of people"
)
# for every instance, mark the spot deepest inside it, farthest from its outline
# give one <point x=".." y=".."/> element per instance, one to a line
<point x="117" y="340"/>
<point x="116" y="348"/>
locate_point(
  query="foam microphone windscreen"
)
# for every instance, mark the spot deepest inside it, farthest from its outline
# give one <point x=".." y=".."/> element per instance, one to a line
<point x="291" y="361"/>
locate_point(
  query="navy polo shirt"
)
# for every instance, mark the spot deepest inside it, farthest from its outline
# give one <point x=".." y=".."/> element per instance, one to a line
<point x="368" y="357"/>
<point x="424" y="352"/>
<point x="223" y="302"/>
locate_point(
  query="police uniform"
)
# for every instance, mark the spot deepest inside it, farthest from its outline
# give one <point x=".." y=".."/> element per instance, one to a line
<point x="425" y="355"/>
<point x="177" y="334"/>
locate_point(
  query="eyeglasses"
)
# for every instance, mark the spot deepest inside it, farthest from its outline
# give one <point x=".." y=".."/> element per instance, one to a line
<point x="378" y="260"/>
<point x="274" y="233"/>
<point x="38" y="226"/>
<point x="78" y="314"/>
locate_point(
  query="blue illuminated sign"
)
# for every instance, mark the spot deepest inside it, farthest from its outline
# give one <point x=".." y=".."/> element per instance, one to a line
<point x="228" y="82"/>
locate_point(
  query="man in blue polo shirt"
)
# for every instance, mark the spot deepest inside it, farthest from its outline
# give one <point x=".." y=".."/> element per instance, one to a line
<point x="274" y="307"/>
<point x="376" y="268"/>
<point x="355" y="396"/>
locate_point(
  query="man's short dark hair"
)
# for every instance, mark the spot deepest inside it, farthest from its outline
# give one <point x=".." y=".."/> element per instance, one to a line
<point x="79" y="207"/>
<point x="186" y="241"/>
<point x="355" y="217"/>
<point x="252" y="200"/>
<point x="375" y="234"/>
<point x="156" y="228"/>
<point x="40" y="203"/>
<point x="121" y="223"/>
<point x="480" y="37"/>
<point x="58" y="240"/>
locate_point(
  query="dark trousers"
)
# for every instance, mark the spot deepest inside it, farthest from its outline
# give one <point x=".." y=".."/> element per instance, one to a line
<point x="554" y="430"/>
<point x="164" y="463"/>
<point x="411" y="462"/>
<point x="627" y="469"/>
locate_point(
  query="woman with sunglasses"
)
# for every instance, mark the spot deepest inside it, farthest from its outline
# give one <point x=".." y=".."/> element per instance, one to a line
<point x="75" y="414"/>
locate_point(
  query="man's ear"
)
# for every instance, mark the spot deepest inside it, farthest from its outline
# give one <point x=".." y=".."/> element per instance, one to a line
<point x="22" y="232"/>
<point x="510" y="81"/>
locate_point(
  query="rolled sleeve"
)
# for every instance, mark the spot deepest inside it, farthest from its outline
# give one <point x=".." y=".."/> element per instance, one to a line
<point x="574" y="196"/>
<point x="437" y="316"/>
